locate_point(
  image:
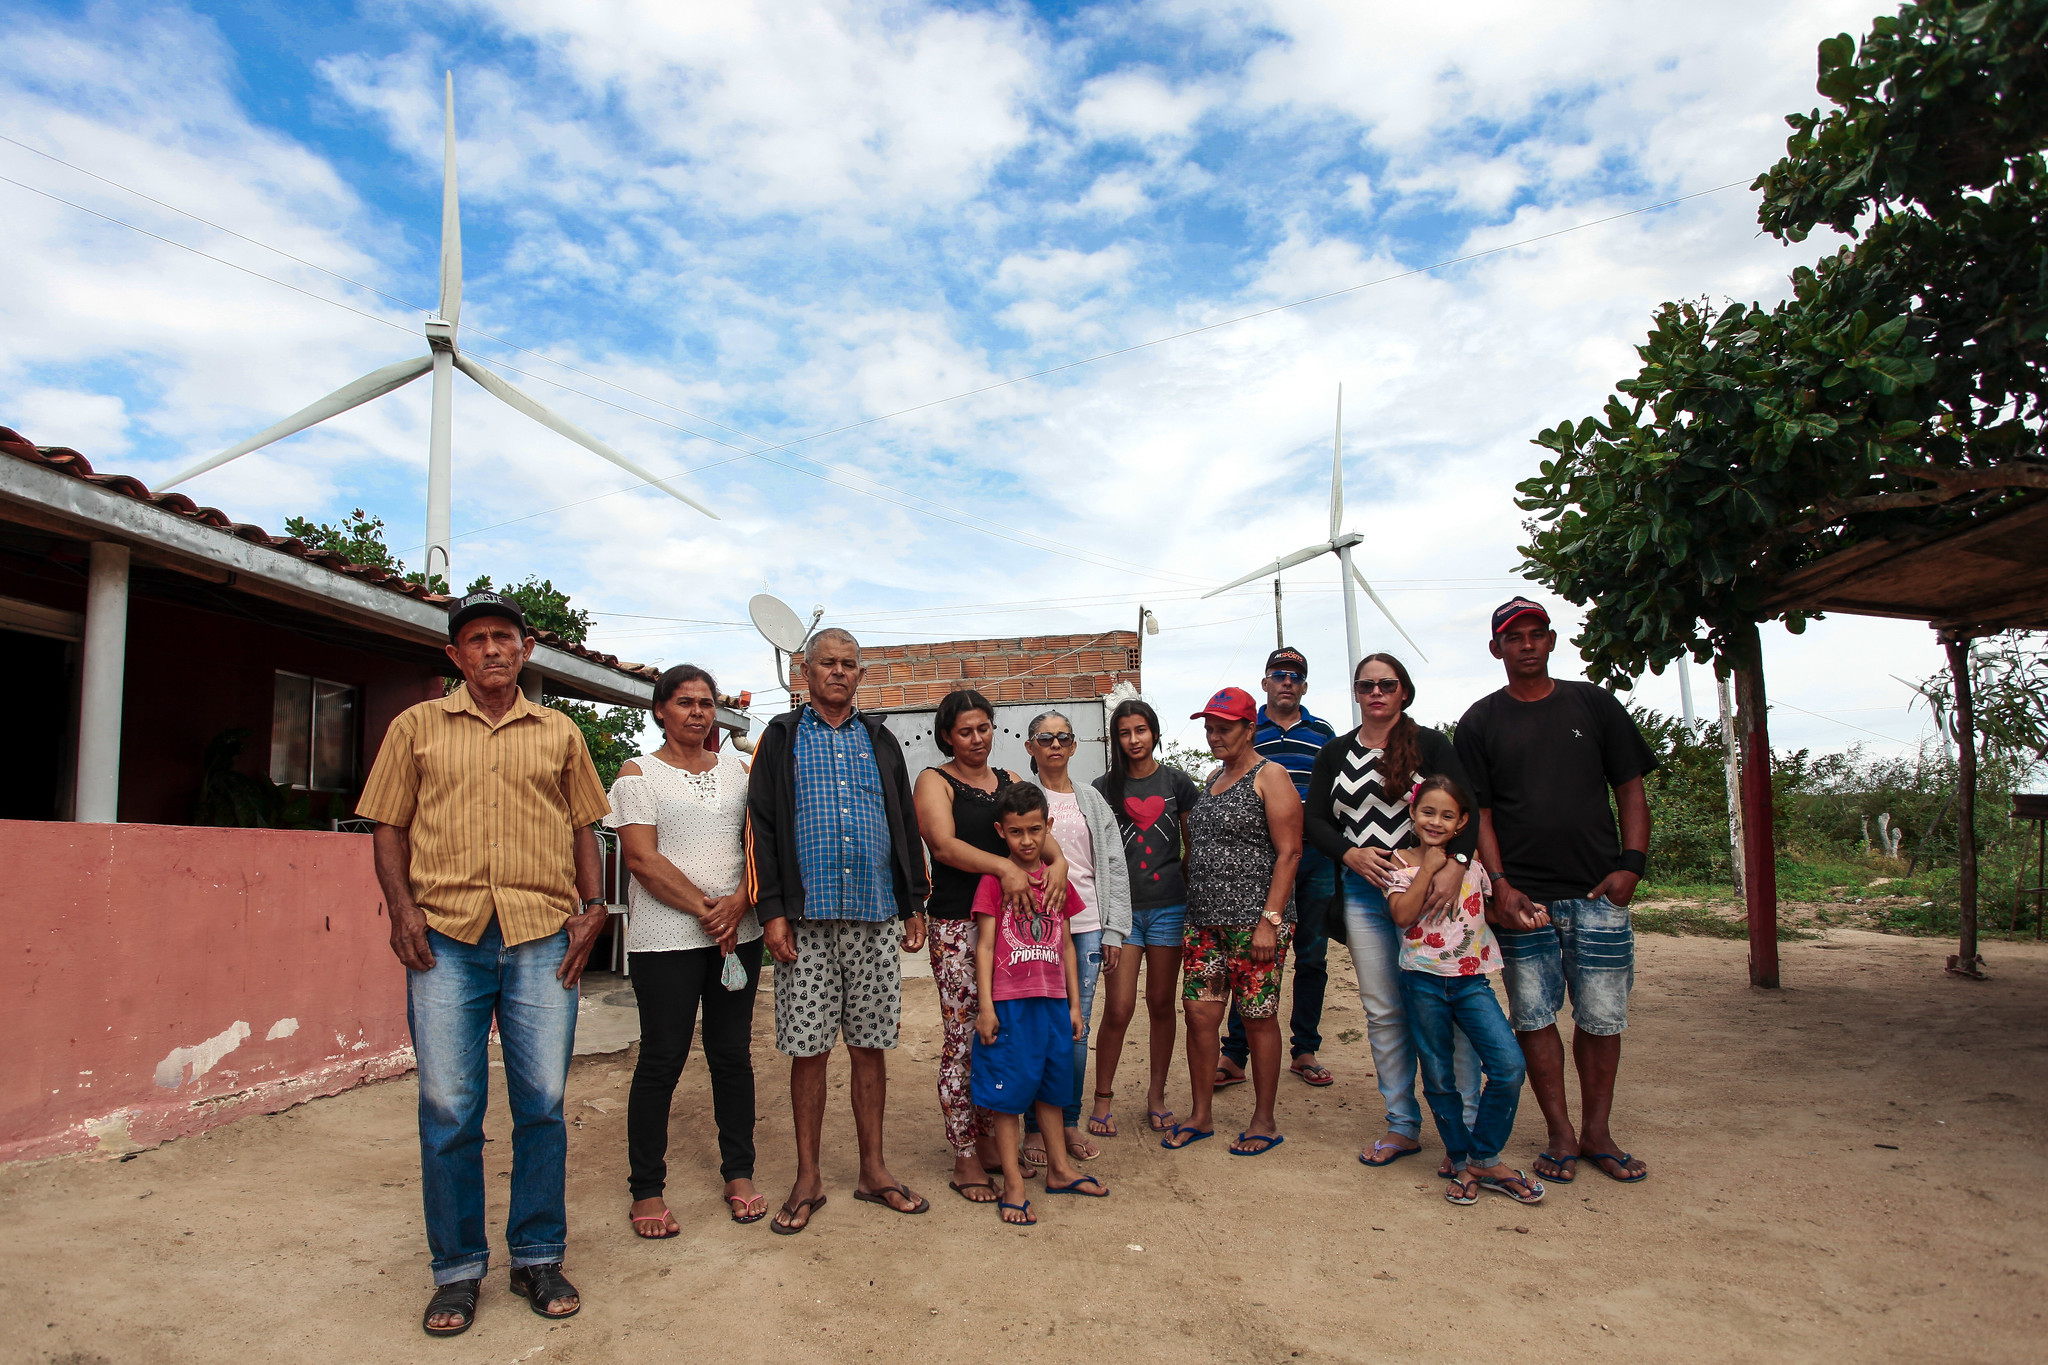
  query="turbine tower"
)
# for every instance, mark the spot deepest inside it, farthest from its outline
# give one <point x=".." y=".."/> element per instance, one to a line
<point x="443" y="357"/>
<point x="1339" y="544"/>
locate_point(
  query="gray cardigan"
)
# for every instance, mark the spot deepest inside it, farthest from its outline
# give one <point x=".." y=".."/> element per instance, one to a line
<point x="1112" y="878"/>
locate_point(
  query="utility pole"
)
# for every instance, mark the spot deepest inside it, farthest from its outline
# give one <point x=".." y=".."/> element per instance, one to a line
<point x="1723" y="685"/>
<point x="1685" y="694"/>
<point x="1279" y="632"/>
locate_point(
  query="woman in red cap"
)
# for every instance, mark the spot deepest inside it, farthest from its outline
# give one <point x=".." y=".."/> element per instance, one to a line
<point x="1244" y="844"/>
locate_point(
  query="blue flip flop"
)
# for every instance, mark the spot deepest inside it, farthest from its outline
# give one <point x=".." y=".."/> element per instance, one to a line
<point x="1199" y="1133"/>
<point x="1271" y="1143"/>
<point x="1622" y="1161"/>
<point x="1101" y="1191"/>
<point x="1568" y="1164"/>
<point x="1030" y="1219"/>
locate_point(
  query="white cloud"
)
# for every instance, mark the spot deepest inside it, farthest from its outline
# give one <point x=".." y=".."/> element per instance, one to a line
<point x="1141" y="106"/>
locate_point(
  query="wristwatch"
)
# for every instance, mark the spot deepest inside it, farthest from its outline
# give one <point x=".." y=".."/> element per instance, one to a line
<point x="598" y="901"/>
<point x="1274" y="918"/>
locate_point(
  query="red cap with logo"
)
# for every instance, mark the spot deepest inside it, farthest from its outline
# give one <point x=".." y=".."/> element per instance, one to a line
<point x="1232" y="703"/>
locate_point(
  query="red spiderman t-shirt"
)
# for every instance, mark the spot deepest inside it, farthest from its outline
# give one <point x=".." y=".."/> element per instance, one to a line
<point x="1027" y="952"/>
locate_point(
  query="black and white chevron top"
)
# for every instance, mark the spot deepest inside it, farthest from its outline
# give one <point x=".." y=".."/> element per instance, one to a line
<point x="1351" y="804"/>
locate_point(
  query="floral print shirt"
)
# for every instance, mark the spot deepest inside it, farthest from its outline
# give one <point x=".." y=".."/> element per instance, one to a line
<point x="1454" y="942"/>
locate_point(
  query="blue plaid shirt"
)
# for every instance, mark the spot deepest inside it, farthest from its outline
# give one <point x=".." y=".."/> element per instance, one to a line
<point x="842" y="828"/>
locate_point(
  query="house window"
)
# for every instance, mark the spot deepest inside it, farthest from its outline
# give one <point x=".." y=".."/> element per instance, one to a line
<point x="313" y="734"/>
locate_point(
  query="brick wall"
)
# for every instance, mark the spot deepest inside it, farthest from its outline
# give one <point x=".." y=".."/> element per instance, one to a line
<point x="1031" y="668"/>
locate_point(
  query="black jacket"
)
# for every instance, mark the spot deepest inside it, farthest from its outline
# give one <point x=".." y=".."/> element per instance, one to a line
<point x="774" y="875"/>
<point x="1319" y="823"/>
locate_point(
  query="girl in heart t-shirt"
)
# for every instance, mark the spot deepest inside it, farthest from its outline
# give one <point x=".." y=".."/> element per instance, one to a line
<point x="1150" y="818"/>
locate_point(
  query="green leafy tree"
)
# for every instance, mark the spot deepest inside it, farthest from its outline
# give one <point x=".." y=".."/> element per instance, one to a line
<point x="2008" y="695"/>
<point x="360" y="540"/>
<point x="1902" y="381"/>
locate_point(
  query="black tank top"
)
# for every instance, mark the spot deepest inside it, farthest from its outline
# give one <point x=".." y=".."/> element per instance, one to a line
<point x="974" y="824"/>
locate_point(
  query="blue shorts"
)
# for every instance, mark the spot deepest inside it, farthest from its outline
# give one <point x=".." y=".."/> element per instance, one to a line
<point x="1030" y="1062"/>
<point x="1588" y="952"/>
<point x="1162" y="926"/>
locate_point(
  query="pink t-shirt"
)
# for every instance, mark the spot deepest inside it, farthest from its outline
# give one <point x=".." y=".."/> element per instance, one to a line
<point x="1027" y="952"/>
<point x="1458" y="942"/>
<point x="1071" y="828"/>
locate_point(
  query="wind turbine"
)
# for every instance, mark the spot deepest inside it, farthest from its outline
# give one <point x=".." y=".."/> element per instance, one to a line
<point x="1339" y="544"/>
<point x="443" y="358"/>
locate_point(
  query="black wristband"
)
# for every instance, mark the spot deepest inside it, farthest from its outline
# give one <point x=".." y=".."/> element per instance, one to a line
<point x="1633" y="860"/>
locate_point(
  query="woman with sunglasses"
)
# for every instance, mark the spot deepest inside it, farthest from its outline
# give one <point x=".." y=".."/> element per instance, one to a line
<point x="1087" y="831"/>
<point x="1357" y="814"/>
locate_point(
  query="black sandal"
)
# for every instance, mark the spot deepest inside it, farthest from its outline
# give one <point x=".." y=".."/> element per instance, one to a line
<point x="456" y="1297"/>
<point x="541" y="1285"/>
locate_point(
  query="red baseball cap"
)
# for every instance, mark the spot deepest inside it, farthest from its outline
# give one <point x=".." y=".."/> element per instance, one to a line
<point x="1232" y="703"/>
<point x="1513" y="609"/>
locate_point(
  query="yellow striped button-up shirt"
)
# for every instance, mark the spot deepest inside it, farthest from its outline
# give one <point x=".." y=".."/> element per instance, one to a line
<point x="492" y="810"/>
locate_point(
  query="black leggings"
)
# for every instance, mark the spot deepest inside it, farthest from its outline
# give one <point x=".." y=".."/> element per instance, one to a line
<point x="669" y="986"/>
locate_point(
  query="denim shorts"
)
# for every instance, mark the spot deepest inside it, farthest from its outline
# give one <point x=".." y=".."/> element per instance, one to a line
<point x="1160" y="927"/>
<point x="1588" y="952"/>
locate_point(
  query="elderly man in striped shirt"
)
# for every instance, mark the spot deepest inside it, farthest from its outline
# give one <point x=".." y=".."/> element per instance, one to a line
<point x="484" y="804"/>
<point x="1292" y="737"/>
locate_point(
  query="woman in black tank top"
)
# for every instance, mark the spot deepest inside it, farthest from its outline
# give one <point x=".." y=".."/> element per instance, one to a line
<point x="956" y="814"/>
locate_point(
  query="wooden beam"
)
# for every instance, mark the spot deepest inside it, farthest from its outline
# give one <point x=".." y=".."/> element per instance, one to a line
<point x="1759" y="842"/>
<point x="1966" y="962"/>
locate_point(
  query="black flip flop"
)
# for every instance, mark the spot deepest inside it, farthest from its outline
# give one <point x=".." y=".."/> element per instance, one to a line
<point x="876" y="1197"/>
<point x="807" y="1207"/>
<point x="962" y="1190"/>
<point x="458" y="1296"/>
<point x="541" y="1285"/>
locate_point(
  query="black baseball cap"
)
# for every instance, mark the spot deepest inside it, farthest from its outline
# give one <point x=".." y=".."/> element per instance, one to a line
<point x="485" y="604"/>
<point x="1289" y="656"/>
<point x="1507" y="611"/>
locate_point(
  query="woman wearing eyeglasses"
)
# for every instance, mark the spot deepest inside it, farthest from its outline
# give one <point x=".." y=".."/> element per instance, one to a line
<point x="1086" y="829"/>
<point x="1357" y="814"/>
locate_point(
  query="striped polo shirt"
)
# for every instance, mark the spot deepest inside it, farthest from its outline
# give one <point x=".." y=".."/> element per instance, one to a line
<point x="1294" y="748"/>
<point x="492" y="809"/>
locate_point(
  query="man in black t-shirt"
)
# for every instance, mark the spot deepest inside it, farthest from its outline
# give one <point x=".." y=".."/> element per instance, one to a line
<point x="1543" y="756"/>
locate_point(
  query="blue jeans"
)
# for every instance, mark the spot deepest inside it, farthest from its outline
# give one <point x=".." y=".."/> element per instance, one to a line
<point x="1314" y="886"/>
<point x="1376" y="953"/>
<point x="1444" y="1008"/>
<point x="449" y="1008"/>
<point x="1088" y="952"/>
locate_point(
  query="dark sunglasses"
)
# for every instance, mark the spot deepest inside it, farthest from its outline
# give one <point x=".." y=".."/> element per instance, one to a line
<point x="1283" y="675"/>
<point x="1054" y="739"/>
<point x="1365" y="687"/>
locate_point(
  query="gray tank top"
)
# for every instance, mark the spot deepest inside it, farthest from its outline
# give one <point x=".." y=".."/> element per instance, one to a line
<point x="1231" y="856"/>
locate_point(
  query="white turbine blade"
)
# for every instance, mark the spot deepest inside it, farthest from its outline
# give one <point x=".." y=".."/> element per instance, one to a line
<point x="1384" y="612"/>
<point x="375" y="384"/>
<point x="1337" y="471"/>
<point x="519" y="402"/>
<point x="451" y="215"/>
<point x="1301" y="556"/>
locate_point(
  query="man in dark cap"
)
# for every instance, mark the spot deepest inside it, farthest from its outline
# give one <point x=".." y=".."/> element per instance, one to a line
<point x="1292" y="737"/>
<point x="484" y="803"/>
<point x="1543" y="756"/>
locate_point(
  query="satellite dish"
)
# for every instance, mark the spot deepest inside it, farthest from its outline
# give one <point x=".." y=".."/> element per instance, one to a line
<point x="778" y="625"/>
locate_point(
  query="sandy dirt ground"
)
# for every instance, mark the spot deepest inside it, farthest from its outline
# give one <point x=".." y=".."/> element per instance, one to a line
<point x="1846" y="1169"/>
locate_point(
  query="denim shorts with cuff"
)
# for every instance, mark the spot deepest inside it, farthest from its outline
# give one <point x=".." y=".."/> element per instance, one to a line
<point x="1588" y="952"/>
<point x="1162" y="926"/>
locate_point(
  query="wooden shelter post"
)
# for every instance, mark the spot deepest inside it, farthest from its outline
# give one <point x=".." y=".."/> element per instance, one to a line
<point x="1759" y="833"/>
<point x="1966" y="962"/>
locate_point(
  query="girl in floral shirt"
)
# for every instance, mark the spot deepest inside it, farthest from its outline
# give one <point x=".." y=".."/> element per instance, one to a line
<point x="1447" y="959"/>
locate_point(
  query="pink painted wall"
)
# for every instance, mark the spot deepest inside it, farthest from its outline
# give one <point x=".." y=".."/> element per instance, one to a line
<point x="163" y="979"/>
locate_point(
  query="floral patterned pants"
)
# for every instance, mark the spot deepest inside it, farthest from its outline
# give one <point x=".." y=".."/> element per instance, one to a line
<point x="952" y="950"/>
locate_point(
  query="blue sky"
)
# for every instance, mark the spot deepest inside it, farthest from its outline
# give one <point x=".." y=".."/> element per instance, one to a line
<point x="757" y="223"/>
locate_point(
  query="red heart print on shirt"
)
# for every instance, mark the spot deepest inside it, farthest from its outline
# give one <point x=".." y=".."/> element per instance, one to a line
<point x="1144" y="812"/>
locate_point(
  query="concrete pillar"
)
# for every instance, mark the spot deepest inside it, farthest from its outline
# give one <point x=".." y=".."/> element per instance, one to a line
<point x="101" y="676"/>
<point x="529" y="683"/>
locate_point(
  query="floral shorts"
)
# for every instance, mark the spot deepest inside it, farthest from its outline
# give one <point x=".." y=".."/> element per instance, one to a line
<point x="1216" y="964"/>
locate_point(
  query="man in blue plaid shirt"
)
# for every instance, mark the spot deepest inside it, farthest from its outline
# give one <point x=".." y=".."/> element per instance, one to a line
<point x="833" y="862"/>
